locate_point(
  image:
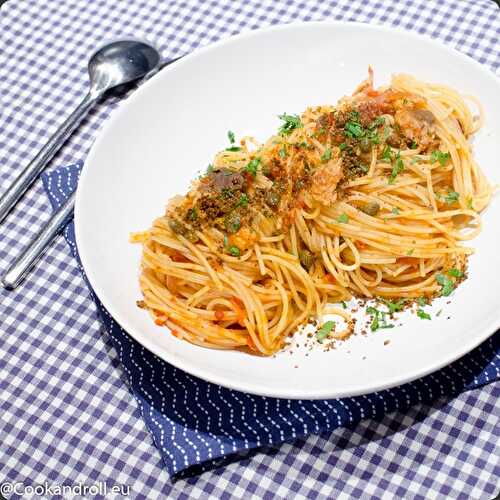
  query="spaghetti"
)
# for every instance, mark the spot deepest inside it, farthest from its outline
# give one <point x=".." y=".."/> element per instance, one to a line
<point x="370" y="198"/>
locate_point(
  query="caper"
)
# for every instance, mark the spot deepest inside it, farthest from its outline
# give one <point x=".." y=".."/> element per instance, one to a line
<point x="176" y="226"/>
<point x="232" y="223"/>
<point x="272" y="198"/>
<point x="266" y="170"/>
<point x="306" y="259"/>
<point x="371" y="208"/>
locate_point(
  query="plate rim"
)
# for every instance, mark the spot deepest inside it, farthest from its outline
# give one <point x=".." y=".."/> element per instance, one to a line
<point x="193" y="369"/>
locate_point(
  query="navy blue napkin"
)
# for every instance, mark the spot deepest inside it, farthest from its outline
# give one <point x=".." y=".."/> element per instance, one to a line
<point x="190" y="419"/>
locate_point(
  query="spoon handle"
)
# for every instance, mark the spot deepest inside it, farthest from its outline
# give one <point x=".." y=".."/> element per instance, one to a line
<point x="28" y="175"/>
<point x="33" y="251"/>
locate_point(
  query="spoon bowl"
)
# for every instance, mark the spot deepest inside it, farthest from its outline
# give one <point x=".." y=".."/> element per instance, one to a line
<point x="120" y="62"/>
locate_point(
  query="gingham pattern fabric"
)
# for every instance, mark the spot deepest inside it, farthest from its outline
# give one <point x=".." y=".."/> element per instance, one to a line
<point x="66" y="413"/>
<point x="197" y="423"/>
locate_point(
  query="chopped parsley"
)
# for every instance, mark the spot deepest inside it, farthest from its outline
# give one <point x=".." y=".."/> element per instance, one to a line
<point x="451" y="197"/>
<point x="410" y="251"/>
<point x="442" y="158"/>
<point x="342" y="146"/>
<point x="344" y="305"/>
<point x="377" y="122"/>
<point x="395" y="211"/>
<point x="233" y="148"/>
<point x="422" y="301"/>
<point x="234" y="251"/>
<point x="387" y="153"/>
<point x="394" y="306"/>
<point x="446" y="284"/>
<point x="423" y="315"/>
<point x="243" y="201"/>
<point x="343" y="218"/>
<point x="230" y="136"/>
<point x="282" y="152"/>
<point x="456" y="273"/>
<point x="210" y="168"/>
<point x="354" y="130"/>
<point x="252" y="166"/>
<point x="325" y="330"/>
<point x="291" y="122"/>
<point x="379" y="319"/>
<point x="327" y="155"/>
<point x="396" y="169"/>
<point x="413" y="145"/>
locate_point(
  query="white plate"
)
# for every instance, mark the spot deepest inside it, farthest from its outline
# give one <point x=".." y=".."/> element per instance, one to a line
<point x="175" y="123"/>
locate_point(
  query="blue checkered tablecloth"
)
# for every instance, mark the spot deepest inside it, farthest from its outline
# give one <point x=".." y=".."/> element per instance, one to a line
<point x="66" y="415"/>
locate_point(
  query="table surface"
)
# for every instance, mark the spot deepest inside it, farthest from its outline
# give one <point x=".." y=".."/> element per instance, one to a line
<point x="61" y="426"/>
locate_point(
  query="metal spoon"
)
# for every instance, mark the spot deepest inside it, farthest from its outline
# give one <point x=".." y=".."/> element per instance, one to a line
<point x="115" y="64"/>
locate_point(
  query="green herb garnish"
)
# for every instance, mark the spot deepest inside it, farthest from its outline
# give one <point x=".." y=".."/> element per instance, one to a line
<point x="456" y="273"/>
<point x="423" y="315"/>
<point x="395" y="211"/>
<point x="282" y="152"/>
<point x="233" y="148"/>
<point x="451" y="197"/>
<point x="442" y="158"/>
<point x="446" y="284"/>
<point x="243" y="201"/>
<point x="344" y="305"/>
<point x="230" y="136"/>
<point x="343" y="218"/>
<point x="291" y="122"/>
<point x="324" y="331"/>
<point x="387" y="154"/>
<point x="210" y="169"/>
<point x="422" y="301"/>
<point x="396" y="169"/>
<point x="327" y="155"/>
<point x="354" y="130"/>
<point x="234" y="251"/>
<point x="379" y="319"/>
<point x="252" y="166"/>
<point x="413" y="145"/>
<point x="410" y="251"/>
<point x="377" y="122"/>
<point x="394" y="306"/>
<point x="342" y="146"/>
